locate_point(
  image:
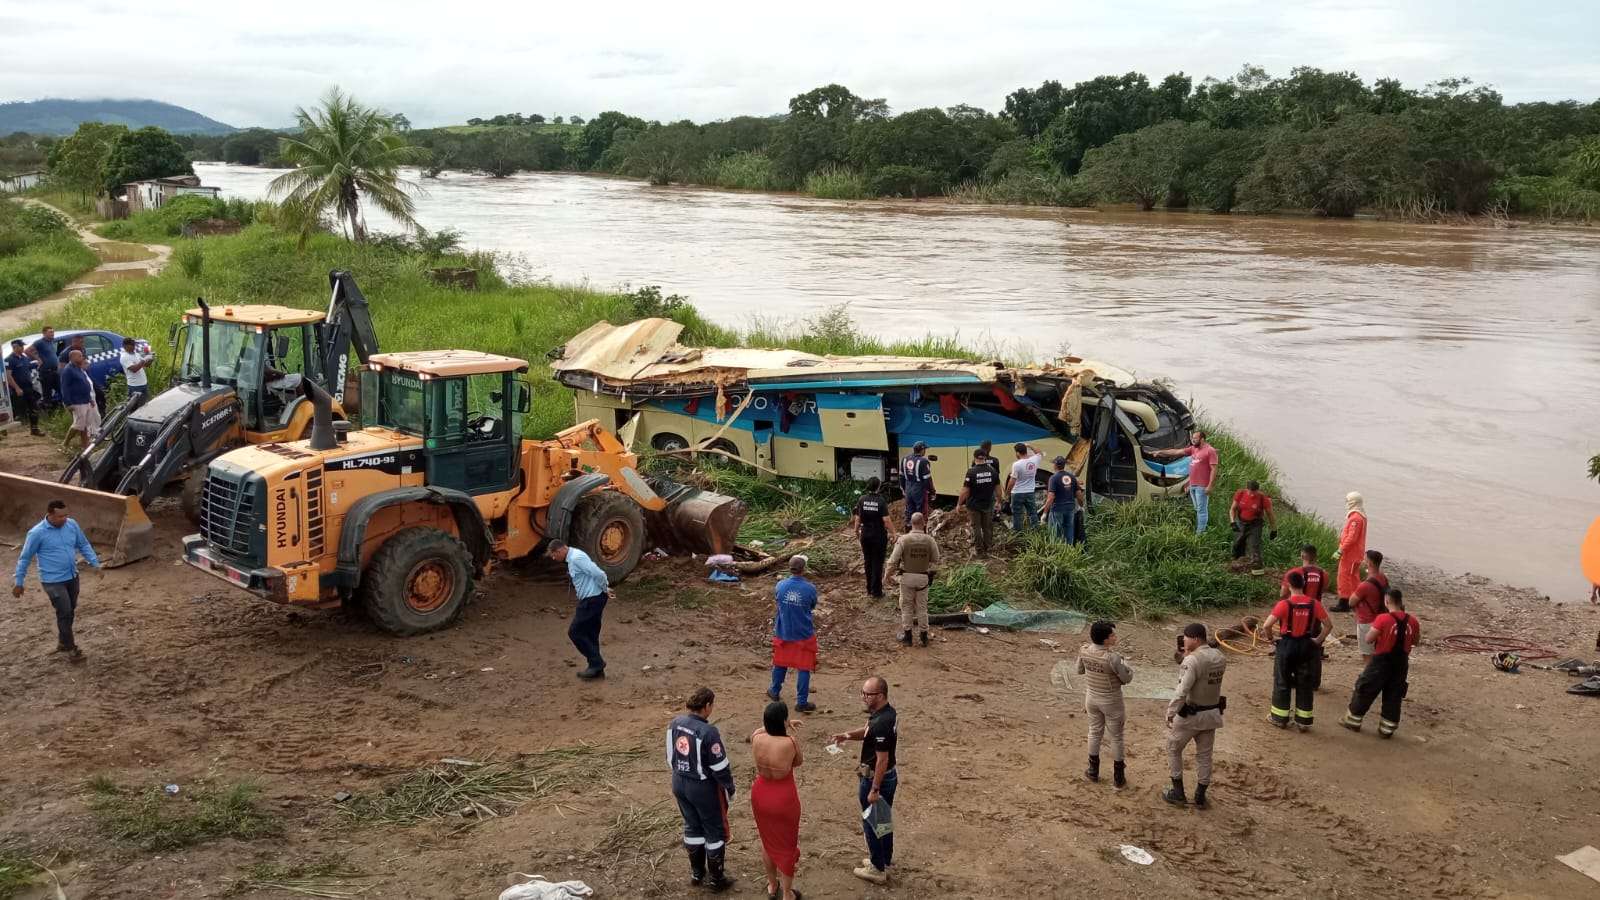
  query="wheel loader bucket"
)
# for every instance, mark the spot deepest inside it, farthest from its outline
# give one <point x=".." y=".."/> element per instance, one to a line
<point x="115" y="524"/>
<point x="695" y="521"/>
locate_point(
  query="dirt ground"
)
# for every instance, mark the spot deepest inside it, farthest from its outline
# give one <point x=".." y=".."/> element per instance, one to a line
<point x="187" y="680"/>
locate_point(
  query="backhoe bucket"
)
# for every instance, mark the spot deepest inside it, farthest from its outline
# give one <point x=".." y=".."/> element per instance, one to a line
<point x="695" y="521"/>
<point x="115" y="524"/>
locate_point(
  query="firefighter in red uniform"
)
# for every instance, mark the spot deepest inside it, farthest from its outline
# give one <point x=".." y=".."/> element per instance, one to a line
<point x="1393" y="635"/>
<point x="1305" y="627"/>
<point x="1316" y="579"/>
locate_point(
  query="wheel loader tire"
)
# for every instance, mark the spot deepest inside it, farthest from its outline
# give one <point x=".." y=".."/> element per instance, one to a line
<point x="609" y="527"/>
<point x="417" y="582"/>
<point x="190" y="498"/>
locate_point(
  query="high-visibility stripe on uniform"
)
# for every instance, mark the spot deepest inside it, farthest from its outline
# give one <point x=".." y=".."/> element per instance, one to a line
<point x="1303" y="714"/>
<point x="716" y="846"/>
<point x="718" y="767"/>
<point x="699" y="767"/>
<point x="1280" y="713"/>
<point x="695" y="841"/>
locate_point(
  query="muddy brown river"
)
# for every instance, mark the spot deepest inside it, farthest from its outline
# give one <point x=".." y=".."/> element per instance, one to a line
<point x="1452" y="375"/>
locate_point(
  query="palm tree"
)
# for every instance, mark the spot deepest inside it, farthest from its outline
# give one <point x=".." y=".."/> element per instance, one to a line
<point x="345" y="150"/>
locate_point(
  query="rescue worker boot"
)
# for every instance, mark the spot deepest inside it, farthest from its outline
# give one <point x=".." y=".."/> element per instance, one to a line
<point x="1174" y="794"/>
<point x="1200" y="796"/>
<point x="697" y="865"/>
<point x="718" y="881"/>
<point x="924" y="639"/>
<point x="1119" y="775"/>
<point x="905" y="638"/>
<point x="1093" y="772"/>
<point x="1351" y="722"/>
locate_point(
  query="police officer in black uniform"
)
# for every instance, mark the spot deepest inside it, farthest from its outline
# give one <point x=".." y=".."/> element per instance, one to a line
<point x="867" y="520"/>
<point x="702" y="783"/>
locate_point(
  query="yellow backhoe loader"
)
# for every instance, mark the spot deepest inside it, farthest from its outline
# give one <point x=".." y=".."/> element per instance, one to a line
<point x="236" y="382"/>
<point x="402" y="515"/>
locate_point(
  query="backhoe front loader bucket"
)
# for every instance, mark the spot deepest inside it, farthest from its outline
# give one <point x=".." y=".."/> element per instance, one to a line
<point x="694" y="520"/>
<point x="116" y="525"/>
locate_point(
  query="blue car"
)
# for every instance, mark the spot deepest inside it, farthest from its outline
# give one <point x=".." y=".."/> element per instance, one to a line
<point x="104" y="350"/>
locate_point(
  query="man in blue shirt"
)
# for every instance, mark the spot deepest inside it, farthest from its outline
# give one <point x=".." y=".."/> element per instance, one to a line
<point x="1061" y="502"/>
<point x="49" y="366"/>
<point x="593" y="589"/>
<point x="57" y="541"/>
<point x="77" y="393"/>
<point x="19" y="378"/>
<point x="794" y="641"/>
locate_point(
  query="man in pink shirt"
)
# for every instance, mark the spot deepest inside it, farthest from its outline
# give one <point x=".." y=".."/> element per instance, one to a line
<point x="1202" y="473"/>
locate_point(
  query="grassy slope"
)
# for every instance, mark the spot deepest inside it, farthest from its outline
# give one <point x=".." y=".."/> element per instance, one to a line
<point x="1140" y="558"/>
<point x="43" y="265"/>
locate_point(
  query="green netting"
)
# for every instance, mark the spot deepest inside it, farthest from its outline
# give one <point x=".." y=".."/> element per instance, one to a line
<point x="1004" y="615"/>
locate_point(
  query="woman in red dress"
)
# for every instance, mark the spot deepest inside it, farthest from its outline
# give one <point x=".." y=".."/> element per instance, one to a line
<point x="775" y="801"/>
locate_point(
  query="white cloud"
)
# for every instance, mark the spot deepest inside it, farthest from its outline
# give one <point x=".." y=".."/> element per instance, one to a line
<point x="252" y="64"/>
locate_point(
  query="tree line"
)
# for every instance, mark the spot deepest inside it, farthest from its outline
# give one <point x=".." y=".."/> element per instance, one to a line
<point x="1325" y="142"/>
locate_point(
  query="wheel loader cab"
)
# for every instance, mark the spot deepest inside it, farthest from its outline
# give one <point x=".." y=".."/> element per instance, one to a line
<point x="466" y="407"/>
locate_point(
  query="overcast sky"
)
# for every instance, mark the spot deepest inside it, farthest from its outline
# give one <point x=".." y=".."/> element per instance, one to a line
<point x="442" y="62"/>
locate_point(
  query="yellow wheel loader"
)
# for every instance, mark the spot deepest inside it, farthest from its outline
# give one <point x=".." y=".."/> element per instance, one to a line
<point x="236" y="382"/>
<point x="440" y="486"/>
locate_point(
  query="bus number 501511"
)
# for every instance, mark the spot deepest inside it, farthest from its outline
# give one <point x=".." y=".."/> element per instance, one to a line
<point x="936" y="419"/>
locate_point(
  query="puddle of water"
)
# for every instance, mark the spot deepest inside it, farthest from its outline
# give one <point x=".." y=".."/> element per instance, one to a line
<point x="118" y="251"/>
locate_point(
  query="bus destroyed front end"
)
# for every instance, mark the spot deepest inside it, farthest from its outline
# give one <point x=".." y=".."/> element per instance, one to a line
<point x="797" y="414"/>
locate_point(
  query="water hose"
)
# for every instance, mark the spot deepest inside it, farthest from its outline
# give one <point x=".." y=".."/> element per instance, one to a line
<point x="1494" y="643"/>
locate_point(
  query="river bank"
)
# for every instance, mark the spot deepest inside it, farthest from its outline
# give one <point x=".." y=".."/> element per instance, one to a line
<point x="190" y="683"/>
<point x="1414" y="363"/>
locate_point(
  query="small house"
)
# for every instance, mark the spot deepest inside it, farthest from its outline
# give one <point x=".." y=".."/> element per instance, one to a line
<point x="22" y="181"/>
<point x="154" y="193"/>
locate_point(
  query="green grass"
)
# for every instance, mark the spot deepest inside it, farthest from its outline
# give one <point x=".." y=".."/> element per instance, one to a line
<point x="152" y="820"/>
<point x="39" y="254"/>
<point x="963" y="587"/>
<point x="837" y="183"/>
<point x="161" y="226"/>
<point x="749" y="171"/>
<point x="1145" y="559"/>
<point x="17" y="871"/>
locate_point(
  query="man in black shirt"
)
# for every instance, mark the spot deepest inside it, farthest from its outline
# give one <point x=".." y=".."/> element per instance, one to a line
<point x="877" y="773"/>
<point x="977" y="496"/>
<point x="867" y="521"/>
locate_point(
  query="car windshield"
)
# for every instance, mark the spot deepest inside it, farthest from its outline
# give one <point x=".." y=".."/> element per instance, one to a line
<point x="400" y="401"/>
<point x="235" y="353"/>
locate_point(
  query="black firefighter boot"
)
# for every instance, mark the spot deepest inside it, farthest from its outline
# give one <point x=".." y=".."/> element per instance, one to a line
<point x="1200" y="796"/>
<point x="719" y="880"/>
<point x="905" y="638"/>
<point x="697" y="865"/>
<point x="924" y="638"/>
<point x="1174" y="794"/>
<point x="1093" y="772"/>
<point x="1119" y="775"/>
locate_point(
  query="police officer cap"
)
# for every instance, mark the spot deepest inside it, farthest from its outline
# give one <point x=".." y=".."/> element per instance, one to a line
<point x="1195" y="630"/>
<point x="918" y="447"/>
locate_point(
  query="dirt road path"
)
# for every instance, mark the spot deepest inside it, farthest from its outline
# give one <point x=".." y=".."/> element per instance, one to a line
<point x="189" y="680"/>
<point x="120" y="262"/>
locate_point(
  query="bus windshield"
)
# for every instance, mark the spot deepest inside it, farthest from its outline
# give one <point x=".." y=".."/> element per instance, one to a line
<point x="235" y="353"/>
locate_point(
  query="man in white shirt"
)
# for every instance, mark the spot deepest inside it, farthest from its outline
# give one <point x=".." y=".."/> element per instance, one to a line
<point x="134" y="366"/>
<point x="1020" y="485"/>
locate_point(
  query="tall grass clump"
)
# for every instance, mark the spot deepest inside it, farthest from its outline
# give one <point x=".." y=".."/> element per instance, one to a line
<point x="964" y="587"/>
<point x="160" y="226"/>
<point x="837" y="183"/>
<point x="744" y="171"/>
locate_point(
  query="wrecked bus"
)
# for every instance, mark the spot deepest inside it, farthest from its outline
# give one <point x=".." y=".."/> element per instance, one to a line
<point x="851" y="417"/>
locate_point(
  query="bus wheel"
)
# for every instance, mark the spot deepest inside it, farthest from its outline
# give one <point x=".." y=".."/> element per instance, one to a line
<point x="667" y="442"/>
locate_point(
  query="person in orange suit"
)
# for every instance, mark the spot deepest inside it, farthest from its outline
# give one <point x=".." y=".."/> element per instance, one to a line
<point x="1352" y="549"/>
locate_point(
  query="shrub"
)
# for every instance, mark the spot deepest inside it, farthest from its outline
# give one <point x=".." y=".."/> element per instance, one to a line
<point x="42" y="221"/>
<point x="190" y="257"/>
<point x="745" y="171"/>
<point x="906" y="181"/>
<point x="647" y="303"/>
<point x="836" y="183"/>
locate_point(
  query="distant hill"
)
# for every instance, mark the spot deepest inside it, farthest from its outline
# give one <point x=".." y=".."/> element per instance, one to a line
<point x="64" y="116"/>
